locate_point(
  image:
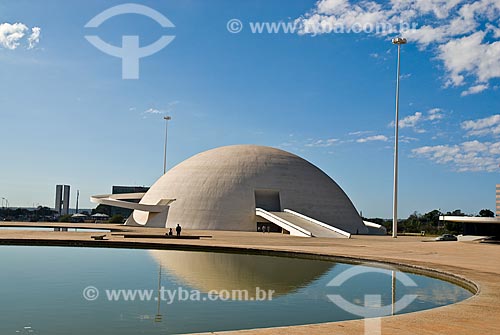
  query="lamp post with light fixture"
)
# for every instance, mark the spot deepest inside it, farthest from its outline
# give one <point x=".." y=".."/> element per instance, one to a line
<point x="399" y="41"/>
<point x="166" y="118"/>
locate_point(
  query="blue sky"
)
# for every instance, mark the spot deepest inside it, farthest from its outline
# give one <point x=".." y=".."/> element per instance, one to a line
<point x="67" y="116"/>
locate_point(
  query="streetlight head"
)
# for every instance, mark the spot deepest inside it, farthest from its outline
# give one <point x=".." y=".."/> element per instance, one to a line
<point x="167" y="118"/>
<point x="399" y="40"/>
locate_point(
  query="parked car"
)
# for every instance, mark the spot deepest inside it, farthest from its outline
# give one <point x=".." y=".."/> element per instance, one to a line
<point x="446" y="237"/>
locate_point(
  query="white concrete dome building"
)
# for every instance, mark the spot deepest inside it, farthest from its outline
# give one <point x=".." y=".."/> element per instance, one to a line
<point x="245" y="188"/>
<point x="220" y="189"/>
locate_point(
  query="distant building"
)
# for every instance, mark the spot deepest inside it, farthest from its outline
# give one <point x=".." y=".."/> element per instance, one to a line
<point x="122" y="190"/>
<point x="62" y="199"/>
<point x="130" y="189"/>
<point x="479" y="226"/>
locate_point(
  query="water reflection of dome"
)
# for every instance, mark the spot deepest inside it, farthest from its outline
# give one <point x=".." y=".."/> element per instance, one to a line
<point x="208" y="271"/>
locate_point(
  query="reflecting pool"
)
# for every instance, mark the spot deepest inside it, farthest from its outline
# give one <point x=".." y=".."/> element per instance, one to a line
<point x="81" y="230"/>
<point x="50" y="290"/>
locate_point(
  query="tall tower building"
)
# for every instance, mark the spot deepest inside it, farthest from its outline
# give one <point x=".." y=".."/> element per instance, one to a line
<point x="66" y="200"/>
<point x="62" y="199"/>
<point x="58" y="205"/>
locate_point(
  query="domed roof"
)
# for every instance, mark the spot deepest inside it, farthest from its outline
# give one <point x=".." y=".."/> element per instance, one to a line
<point x="217" y="189"/>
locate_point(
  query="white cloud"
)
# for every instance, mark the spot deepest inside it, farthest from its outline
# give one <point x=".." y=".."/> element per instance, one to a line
<point x="410" y="121"/>
<point x="323" y="143"/>
<point x="472" y="155"/>
<point x="360" y="132"/>
<point x="332" y="6"/>
<point x="467" y="156"/>
<point x="475" y="89"/>
<point x="464" y="35"/>
<point x="407" y="139"/>
<point x="155" y="111"/>
<point x="440" y="8"/>
<point x="474" y="146"/>
<point x="34" y="38"/>
<point x="470" y="56"/>
<point x="152" y="111"/>
<point x="494" y="30"/>
<point x="483" y="127"/>
<point x="435" y="114"/>
<point x="381" y="138"/>
<point x="11" y="35"/>
<point x="495" y="148"/>
<point x="417" y="120"/>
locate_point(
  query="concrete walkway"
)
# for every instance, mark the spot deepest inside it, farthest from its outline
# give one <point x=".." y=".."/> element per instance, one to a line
<point x="479" y="263"/>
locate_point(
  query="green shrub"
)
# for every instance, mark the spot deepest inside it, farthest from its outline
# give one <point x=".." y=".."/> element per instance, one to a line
<point x="64" y="218"/>
<point x="116" y="219"/>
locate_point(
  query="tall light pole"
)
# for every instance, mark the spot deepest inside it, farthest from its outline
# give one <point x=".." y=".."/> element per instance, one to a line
<point x="166" y="118"/>
<point x="399" y="41"/>
<point x="77" y="199"/>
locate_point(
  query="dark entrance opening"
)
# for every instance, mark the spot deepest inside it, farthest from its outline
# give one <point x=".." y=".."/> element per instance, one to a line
<point x="268" y="200"/>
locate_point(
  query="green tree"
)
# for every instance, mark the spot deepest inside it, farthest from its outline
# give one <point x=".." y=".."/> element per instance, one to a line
<point x="454" y="227"/>
<point x="456" y="212"/>
<point x="432" y="217"/>
<point x="104" y="209"/>
<point x="65" y="218"/>
<point x="116" y="219"/>
<point x="486" y="213"/>
<point x="44" y="211"/>
<point x="413" y="223"/>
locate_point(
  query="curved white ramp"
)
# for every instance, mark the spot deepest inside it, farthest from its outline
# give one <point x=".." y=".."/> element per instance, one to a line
<point x="288" y="226"/>
<point x="154" y="215"/>
<point x="375" y="229"/>
<point x="300" y="225"/>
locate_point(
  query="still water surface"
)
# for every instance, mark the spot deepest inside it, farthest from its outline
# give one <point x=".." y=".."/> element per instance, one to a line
<point x="41" y="291"/>
<point x="86" y="230"/>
